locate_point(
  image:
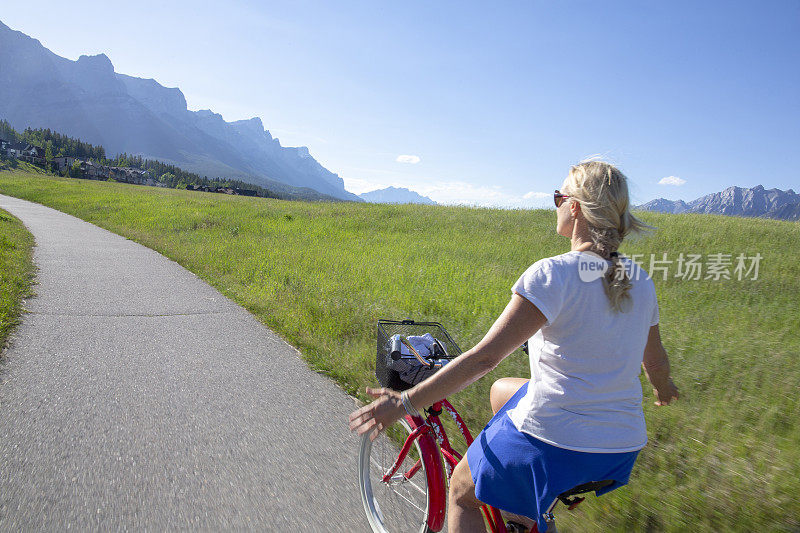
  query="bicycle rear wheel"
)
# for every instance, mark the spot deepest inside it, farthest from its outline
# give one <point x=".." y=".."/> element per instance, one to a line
<point x="400" y="505"/>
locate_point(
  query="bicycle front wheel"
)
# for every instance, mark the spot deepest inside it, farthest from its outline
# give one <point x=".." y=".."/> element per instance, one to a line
<point x="405" y="503"/>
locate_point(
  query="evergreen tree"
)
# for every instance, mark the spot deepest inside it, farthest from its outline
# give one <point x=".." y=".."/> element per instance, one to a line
<point x="48" y="154"/>
<point x="75" y="171"/>
<point x="7" y="132"/>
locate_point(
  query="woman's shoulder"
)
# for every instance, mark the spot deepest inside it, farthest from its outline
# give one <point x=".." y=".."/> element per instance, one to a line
<point x="586" y="266"/>
<point x="575" y="262"/>
<point x="547" y="267"/>
<point x="563" y="266"/>
<point x="557" y="261"/>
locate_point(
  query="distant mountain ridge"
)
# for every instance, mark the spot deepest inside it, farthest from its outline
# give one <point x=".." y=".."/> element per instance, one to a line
<point x="88" y="100"/>
<point x="736" y="201"/>
<point x="396" y="195"/>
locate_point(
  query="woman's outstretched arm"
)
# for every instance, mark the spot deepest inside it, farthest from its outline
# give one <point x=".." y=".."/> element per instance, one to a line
<point x="518" y="322"/>
<point x="656" y="368"/>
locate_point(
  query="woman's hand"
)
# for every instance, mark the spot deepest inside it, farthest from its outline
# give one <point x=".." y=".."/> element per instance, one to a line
<point x="656" y="368"/>
<point x="666" y="393"/>
<point x="380" y="414"/>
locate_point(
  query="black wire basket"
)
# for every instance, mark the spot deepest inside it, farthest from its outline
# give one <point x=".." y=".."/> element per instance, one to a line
<point x="404" y="374"/>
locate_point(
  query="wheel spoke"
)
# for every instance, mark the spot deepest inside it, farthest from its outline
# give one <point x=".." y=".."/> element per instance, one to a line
<point x="400" y="504"/>
<point x="398" y="479"/>
<point x="409" y="501"/>
<point x="420" y="489"/>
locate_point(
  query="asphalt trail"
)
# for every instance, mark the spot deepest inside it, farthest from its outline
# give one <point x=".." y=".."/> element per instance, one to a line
<point x="134" y="396"/>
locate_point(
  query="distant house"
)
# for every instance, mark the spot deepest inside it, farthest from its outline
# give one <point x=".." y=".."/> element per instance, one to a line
<point x="15" y="149"/>
<point x="63" y="163"/>
<point x="37" y="155"/>
<point x="116" y="173"/>
<point x="93" y="171"/>
<point x="223" y="190"/>
<point x="246" y="192"/>
<point x="129" y="175"/>
<point x="21" y="149"/>
<point x="25" y="152"/>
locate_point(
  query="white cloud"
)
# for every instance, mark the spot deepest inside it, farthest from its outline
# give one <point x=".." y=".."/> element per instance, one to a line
<point x="411" y="159"/>
<point x="671" y="180"/>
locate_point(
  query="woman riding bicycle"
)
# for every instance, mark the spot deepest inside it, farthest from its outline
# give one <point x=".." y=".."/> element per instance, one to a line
<point x="591" y="318"/>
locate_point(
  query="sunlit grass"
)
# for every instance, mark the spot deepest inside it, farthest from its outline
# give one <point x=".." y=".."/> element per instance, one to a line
<point x="725" y="458"/>
<point x="16" y="272"/>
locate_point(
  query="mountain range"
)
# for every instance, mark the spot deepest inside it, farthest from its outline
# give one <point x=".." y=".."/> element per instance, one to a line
<point x="396" y="195"/>
<point x="89" y="100"/>
<point x="736" y="201"/>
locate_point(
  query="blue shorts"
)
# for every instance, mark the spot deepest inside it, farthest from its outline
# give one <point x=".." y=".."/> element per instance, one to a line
<point x="521" y="474"/>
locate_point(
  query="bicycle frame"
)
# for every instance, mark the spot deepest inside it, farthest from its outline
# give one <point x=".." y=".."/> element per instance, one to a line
<point x="434" y="444"/>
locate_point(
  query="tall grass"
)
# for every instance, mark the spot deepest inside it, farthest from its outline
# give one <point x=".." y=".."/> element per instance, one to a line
<point x="16" y="272"/>
<point x="724" y="458"/>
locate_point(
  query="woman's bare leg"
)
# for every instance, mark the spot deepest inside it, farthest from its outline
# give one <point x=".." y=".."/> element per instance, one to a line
<point x="502" y="391"/>
<point x="464" y="509"/>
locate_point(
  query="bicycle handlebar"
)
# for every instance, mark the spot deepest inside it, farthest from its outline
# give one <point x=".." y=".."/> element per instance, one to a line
<point x="431" y="362"/>
<point x="396" y="344"/>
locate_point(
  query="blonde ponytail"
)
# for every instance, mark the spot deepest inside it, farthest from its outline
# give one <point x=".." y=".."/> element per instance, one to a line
<point x="602" y="191"/>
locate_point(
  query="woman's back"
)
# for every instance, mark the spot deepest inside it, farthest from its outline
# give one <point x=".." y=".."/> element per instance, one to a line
<point x="592" y="324"/>
<point x="585" y="392"/>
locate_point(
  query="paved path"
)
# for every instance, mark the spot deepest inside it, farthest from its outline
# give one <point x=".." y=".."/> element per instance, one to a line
<point x="136" y="397"/>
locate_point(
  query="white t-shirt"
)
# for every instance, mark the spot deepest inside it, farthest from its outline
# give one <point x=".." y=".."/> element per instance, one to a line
<point x="585" y="393"/>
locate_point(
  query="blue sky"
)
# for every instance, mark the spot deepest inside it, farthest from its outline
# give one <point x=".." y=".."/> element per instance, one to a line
<point x="493" y="101"/>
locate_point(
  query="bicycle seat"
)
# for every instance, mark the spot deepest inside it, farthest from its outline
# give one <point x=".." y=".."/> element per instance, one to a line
<point x="592" y="486"/>
<point x="586" y="487"/>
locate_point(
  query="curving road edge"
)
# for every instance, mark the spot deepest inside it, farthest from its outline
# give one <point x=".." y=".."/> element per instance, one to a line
<point x="134" y="396"/>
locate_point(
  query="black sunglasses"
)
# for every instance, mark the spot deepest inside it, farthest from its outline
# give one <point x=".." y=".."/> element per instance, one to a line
<point x="558" y="198"/>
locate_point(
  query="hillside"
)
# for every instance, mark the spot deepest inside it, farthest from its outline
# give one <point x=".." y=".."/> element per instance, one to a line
<point x="89" y="100"/>
<point x="724" y="458"/>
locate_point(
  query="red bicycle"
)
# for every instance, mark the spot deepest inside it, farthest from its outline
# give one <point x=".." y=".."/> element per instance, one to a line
<point x="406" y="489"/>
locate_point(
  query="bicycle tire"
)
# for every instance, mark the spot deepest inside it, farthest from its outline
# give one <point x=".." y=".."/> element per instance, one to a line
<point x="401" y="505"/>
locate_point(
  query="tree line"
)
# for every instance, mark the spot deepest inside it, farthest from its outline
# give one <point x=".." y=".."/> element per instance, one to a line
<point x="176" y="177"/>
<point x="58" y="145"/>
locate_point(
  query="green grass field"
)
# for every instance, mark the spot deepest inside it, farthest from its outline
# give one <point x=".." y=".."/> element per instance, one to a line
<point x="725" y="458"/>
<point x="16" y="272"/>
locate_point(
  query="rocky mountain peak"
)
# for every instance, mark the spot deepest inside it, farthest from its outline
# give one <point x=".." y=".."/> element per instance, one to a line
<point x="99" y="62"/>
<point x="208" y="114"/>
<point x="396" y="195"/>
<point x="737" y="201"/>
<point x="254" y="123"/>
<point x="88" y="100"/>
<point x="252" y="127"/>
<point x="160" y="99"/>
